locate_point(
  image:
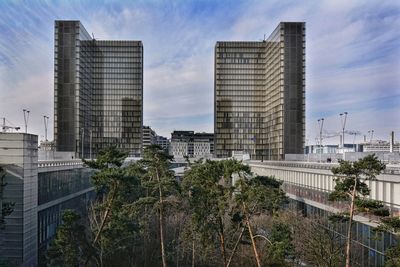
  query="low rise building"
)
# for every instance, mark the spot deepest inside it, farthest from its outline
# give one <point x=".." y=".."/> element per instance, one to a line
<point x="149" y="137"/>
<point x="307" y="185"/>
<point x="381" y="146"/>
<point x="163" y="142"/>
<point x="192" y="145"/>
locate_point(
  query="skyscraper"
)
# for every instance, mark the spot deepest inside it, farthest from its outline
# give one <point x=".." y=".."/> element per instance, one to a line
<point x="259" y="91"/>
<point x="98" y="92"/>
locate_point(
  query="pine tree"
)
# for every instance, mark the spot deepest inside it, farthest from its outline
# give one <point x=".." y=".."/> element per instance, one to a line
<point x="160" y="189"/>
<point x="350" y="186"/>
<point x="70" y="245"/>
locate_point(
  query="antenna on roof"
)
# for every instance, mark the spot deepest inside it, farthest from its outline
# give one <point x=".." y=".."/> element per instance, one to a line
<point x="265" y="36"/>
<point x="93" y="36"/>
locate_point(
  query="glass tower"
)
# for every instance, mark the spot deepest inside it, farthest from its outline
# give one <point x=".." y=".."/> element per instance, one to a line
<point x="98" y="92"/>
<point x="259" y="92"/>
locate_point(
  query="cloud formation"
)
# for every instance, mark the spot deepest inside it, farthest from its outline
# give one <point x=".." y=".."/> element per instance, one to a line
<point x="352" y="56"/>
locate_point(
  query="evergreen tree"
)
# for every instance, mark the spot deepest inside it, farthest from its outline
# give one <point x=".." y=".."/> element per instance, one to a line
<point x="70" y="245"/>
<point x="255" y="196"/>
<point x="392" y="254"/>
<point x="350" y="186"/>
<point x="113" y="226"/>
<point x="209" y="186"/>
<point x="160" y="189"/>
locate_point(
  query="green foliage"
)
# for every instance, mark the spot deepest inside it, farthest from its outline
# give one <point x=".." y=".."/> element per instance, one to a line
<point x="208" y="198"/>
<point x="157" y="179"/>
<point x="392" y="224"/>
<point x="208" y="186"/>
<point x="392" y="256"/>
<point x="381" y="212"/>
<point x="350" y="173"/>
<point x="338" y="217"/>
<point x="368" y="204"/>
<point x="282" y="247"/>
<point x="373" y="206"/>
<point x="6" y="208"/>
<point x="70" y="245"/>
<point x="110" y="157"/>
<point x="260" y="194"/>
<point x="109" y="234"/>
<point x="350" y="186"/>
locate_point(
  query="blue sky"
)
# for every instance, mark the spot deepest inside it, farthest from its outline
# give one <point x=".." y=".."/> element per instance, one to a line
<point x="352" y="57"/>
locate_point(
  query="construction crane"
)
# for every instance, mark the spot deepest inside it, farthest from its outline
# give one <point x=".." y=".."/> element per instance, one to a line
<point x="6" y="127"/>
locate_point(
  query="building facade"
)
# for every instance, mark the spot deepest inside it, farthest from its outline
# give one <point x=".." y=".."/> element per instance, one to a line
<point x="191" y="144"/>
<point x="98" y="92"/>
<point x="259" y="93"/>
<point x="41" y="190"/>
<point x="149" y="137"/>
<point x="163" y="142"/>
<point x="307" y="185"/>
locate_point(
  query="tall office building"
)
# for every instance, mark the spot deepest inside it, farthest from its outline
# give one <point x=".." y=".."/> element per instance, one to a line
<point x="98" y="92"/>
<point x="259" y="96"/>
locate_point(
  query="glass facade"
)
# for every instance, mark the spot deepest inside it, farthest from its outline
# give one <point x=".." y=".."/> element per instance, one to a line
<point x="57" y="191"/>
<point x="368" y="247"/>
<point x="98" y="92"/>
<point x="57" y="184"/>
<point x="50" y="218"/>
<point x="259" y="95"/>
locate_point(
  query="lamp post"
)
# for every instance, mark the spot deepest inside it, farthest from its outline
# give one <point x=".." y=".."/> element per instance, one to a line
<point x="83" y="136"/>
<point x="321" y="125"/>
<point x="46" y="122"/>
<point x="343" y="119"/>
<point x="371" y="134"/>
<point x="26" y="119"/>
<point x="91" y="136"/>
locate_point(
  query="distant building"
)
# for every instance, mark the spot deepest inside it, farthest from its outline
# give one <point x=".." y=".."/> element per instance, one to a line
<point x="332" y="149"/>
<point x="47" y="146"/>
<point x="98" y="92"/>
<point x="149" y="137"/>
<point x="163" y="142"/>
<point x="203" y="145"/>
<point x="380" y="146"/>
<point x="260" y="94"/>
<point x="192" y="145"/>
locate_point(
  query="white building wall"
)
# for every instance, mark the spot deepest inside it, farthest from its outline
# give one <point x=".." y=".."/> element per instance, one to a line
<point x="179" y="149"/>
<point x="201" y="149"/>
<point x="386" y="188"/>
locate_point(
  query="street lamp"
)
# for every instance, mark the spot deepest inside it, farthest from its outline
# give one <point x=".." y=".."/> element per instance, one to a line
<point x="46" y="122"/>
<point x="343" y="119"/>
<point x="26" y="119"/>
<point x="83" y="136"/>
<point x="371" y="134"/>
<point x="321" y="125"/>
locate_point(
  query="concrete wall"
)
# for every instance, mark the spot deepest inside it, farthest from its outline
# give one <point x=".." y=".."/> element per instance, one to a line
<point x="351" y="156"/>
<point x="19" y="157"/>
<point x="386" y="188"/>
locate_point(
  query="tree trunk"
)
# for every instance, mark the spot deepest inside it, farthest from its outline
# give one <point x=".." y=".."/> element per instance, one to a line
<point x="348" y="239"/>
<point x="222" y="240"/>
<point x="235" y="247"/>
<point x="193" y="252"/>
<point x="104" y="220"/>
<point x="253" y="242"/>
<point x="161" y="220"/>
